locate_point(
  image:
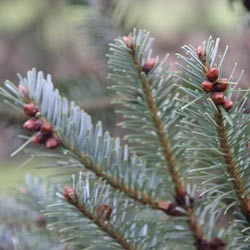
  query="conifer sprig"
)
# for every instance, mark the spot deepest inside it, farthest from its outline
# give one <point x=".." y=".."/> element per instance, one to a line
<point x="146" y="89"/>
<point x="219" y="147"/>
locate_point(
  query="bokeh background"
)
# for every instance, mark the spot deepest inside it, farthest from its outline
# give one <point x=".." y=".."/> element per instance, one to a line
<point x="69" y="39"/>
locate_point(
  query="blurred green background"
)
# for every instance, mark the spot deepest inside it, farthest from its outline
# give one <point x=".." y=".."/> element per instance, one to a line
<point x="68" y="39"/>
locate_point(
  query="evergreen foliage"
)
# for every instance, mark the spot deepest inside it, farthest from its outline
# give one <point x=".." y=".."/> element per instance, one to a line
<point x="186" y="165"/>
<point x="221" y="139"/>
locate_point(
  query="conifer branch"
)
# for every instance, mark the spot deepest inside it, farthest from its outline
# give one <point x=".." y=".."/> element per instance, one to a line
<point x="100" y="154"/>
<point x="144" y="75"/>
<point x="162" y="136"/>
<point x="240" y="190"/>
<point x="217" y="118"/>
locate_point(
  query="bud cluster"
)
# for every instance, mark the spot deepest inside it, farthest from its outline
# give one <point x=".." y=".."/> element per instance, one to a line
<point x="215" y="86"/>
<point x="44" y="130"/>
<point x="40" y="221"/>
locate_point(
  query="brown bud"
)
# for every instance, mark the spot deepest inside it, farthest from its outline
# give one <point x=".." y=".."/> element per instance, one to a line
<point x="228" y="104"/>
<point x="103" y="211"/>
<point x="39" y="138"/>
<point x="23" y="90"/>
<point x="217" y="244"/>
<point x="32" y="124"/>
<point x="212" y="74"/>
<point x="199" y="52"/>
<point x="30" y="109"/>
<point x="46" y="128"/>
<point x="246" y="209"/>
<point x="71" y="196"/>
<point x="183" y="200"/>
<point x="148" y="65"/>
<point x="40" y="221"/>
<point x="53" y="142"/>
<point x="207" y="86"/>
<point x="128" y="41"/>
<point x="218" y="98"/>
<point x="221" y="85"/>
<point x="214" y="244"/>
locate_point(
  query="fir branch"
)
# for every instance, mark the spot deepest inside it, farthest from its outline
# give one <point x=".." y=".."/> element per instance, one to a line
<point x="137" y="81"/>
<point x="223" y="153"/>
<point x="99" y="153"/>
<point x="162" y="136"/>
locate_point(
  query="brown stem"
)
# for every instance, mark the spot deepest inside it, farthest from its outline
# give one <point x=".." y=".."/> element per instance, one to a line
<point x="164" y="142"/>
<point x="106" y="227"/>
<point x="241" y="193"/>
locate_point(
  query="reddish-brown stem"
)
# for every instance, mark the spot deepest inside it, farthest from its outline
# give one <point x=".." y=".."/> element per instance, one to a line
<point x="171" y="162"/>
<point x="241" y="193"/>
<point x="141" y="197"/>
